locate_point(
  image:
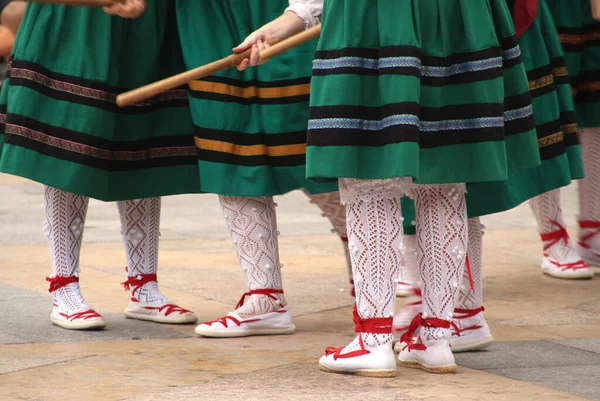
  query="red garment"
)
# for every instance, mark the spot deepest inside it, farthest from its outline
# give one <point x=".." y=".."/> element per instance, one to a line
<point x="524" y="13"/>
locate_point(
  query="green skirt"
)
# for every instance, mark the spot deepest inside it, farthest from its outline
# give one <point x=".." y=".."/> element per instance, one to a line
<point x="431" y="89"/>
<point x="556" y="128"/>
<point x="580" y="37"/>
<point x="249" y="127"/>
<point x="62" y="125"/>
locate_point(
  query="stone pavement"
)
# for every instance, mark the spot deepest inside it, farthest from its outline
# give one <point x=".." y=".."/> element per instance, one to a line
<point x="547" y="331"/>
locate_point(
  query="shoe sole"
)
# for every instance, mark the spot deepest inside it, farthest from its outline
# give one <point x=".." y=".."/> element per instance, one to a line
<point x="160" y="319"/>
<point x="80" y="326"/>
<point x="246" y="333"/>
<point x="445" y="369"/>
<point x="472" y="346"/>
<point x="381" y="373"/>
<point x="403" y="294"/>
<point x="582" y="276"/>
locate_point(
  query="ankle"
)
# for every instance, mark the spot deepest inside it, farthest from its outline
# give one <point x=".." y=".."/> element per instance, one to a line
<point x="258" y="302"/>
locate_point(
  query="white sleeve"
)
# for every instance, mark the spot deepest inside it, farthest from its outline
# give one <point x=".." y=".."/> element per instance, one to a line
<point x="309" y="10"/>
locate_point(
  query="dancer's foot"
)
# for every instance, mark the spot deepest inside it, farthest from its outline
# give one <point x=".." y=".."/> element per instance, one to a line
<point x="261" y="314"/>
<point x="470" y="331"/>
<point x="70" y="311"/>
<point x="561" y="260"/>
<point x="148" y="303"/>
<point x="367" y="355"/>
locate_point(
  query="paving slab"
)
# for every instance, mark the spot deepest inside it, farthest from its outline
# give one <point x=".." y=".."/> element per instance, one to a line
<point x="588" y="344"/>
<point x="527" y="354"/>
<point x="578" y="380"/>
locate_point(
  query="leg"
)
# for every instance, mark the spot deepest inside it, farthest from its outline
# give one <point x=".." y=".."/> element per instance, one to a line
<point x="589" y="197"/>
<point x="408" y="269"/>
<point x="330" y="204"/>
<point x="412" y="305"/>
<point x="442" y="242"/>
<point x="64" y="224"/>
<point x="469" y="329"/>
<point x="560" y="258"/>
<point x="140" y="227"/>
<point x="375" y="239"/>
<point x="252" y="223"/>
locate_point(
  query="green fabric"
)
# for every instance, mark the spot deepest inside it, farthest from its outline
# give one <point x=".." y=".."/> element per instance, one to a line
<point x="472" y="120"/>
<point x="553" y="110"/>
<point x="238" y="137"/>
<point x="579" y="35"/>
<point x="63" y="128"/>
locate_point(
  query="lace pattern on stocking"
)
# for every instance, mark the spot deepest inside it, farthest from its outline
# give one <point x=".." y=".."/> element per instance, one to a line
<point x="332" y="208"/>
<point x="375" y="241"/>
<point x="63" y="225"/>
<point x="409" y="272"/>
<point x="140" y="228"/>
<point x="252" y="224"/>
<point x="442" y="241"/>
<point x="352" y="189"/>
<point x="467" y="298"/>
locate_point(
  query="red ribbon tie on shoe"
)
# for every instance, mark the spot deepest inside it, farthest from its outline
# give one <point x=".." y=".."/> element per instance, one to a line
<point x="265" y="291"/>
<point x="136" y="282"/>
<point x="58" y="282"/>
<point x="378" y="325"/>
<point x="552" y="238"/>
<point x="88" y="314"/>
<point x="555" y="237"/>
<point x="417" y="322"/>
<point x="588" y="224"/>
<point x="465" y="314"/>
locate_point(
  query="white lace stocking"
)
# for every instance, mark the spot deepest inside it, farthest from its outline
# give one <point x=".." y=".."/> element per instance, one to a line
<point x="442" y="240"/>
<point x="375" y="241"/>
<point x="63" y="226"/>
<point x="589" y="187"/>
<point x="410" y="268"/>
<point x="547" y="209"/>
<point x="140" y="228"/>
<point x="467" y="298"/>
<point x="331" y="206"/>
<point x="252" y="224"/>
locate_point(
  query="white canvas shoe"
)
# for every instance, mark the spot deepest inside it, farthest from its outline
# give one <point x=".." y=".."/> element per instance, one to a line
<point x="70" y="311"/>
<point x="361" y="359"/>
<point x="262" y="314"/>
<point x="470" y="331"/>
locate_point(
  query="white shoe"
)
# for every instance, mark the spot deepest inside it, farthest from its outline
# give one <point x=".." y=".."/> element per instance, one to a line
<point x="167" y="313"/>
<point x="434" y="356"/>
<point x="570" y="270"/>
<point x="87" y="319"/>
<point x="430" y="356"/>
<point x="470" y="331"/>
<point x="70" y="311"/>
<point x="358" y="359"/>
<point x="561" y="260"/>
<point x="232" y="325"/>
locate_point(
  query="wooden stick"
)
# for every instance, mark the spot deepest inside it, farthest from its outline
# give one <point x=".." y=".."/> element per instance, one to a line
<point x="84" y="3"/>
<point x="233" y="60"/>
